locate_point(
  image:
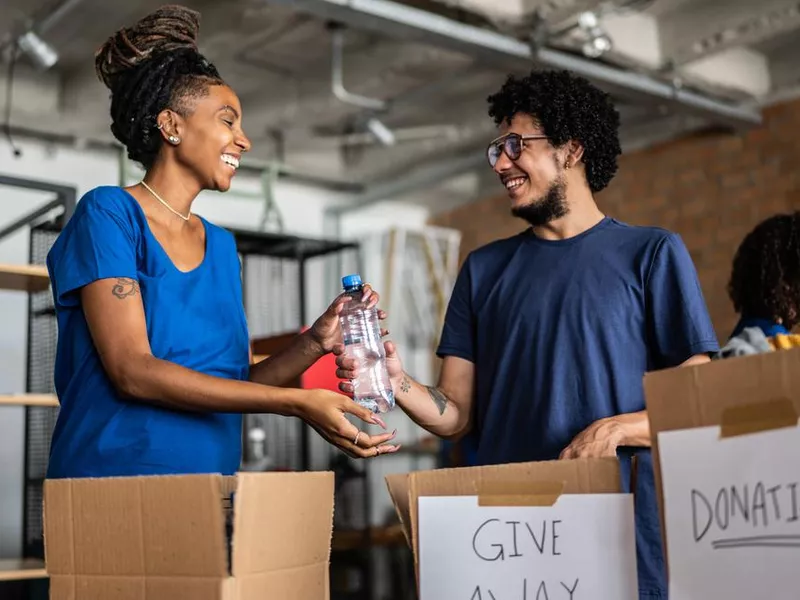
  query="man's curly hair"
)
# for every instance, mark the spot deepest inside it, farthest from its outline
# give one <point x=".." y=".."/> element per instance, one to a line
<point x="765" y="279"/>
<point x="568" y="108"/>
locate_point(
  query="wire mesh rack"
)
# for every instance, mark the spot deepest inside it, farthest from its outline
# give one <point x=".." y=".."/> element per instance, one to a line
<point x="276" y="271"/>
<point x="40" y="421"/>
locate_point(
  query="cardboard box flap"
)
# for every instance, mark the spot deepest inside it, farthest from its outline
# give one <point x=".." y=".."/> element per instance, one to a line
<point x="172" y="526"/>
<point x="229" y="483"/>
<point x="760" y="416"/>
<point x="519" y="493"/>
<point x="183" y="526"/>
<point x="57" y="525"/>
<point x="579" y="476"/>
<point x="719" y="394"/>
<point x="685" y="397"/>
<point x="398" y="492"/>
<point x="282" y="521"/>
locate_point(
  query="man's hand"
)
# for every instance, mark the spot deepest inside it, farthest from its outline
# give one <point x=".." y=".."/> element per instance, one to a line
<point x="326" y="332"/>
<point x="347" y="369"/>
<point x="601" y="438"/>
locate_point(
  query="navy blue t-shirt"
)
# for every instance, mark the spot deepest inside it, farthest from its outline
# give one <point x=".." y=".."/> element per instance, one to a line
<point x="561" y="334"/>
<point x="195" y="319"/>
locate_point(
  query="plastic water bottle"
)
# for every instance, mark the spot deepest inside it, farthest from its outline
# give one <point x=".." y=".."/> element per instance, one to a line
<point x="361" y="331"/>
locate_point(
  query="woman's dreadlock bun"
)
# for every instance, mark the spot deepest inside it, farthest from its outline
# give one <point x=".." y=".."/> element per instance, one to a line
<point x="150" y="66"/>
<point x="168" y="29"/>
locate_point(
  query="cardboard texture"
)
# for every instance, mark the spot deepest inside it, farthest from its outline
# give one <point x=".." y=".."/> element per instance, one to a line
<point x="165" y="537"/>
<point x="519" y="493"/>
<point x="518" y="484"/>
<point x="740" y="395"/>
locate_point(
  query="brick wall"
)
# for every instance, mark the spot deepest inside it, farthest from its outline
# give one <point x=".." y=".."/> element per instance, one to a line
<point x="710" y="188"/>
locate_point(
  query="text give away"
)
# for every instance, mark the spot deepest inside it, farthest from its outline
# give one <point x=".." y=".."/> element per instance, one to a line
<point x="732" y="513"/>
<point x="582" y="547"/>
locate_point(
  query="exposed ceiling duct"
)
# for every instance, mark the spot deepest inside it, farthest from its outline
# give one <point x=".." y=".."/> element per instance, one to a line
<point x="405" y="22"/>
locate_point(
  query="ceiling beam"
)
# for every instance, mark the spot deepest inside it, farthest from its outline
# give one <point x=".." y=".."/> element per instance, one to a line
<point x="504" y="52"/>
<point x="695" y="31"/>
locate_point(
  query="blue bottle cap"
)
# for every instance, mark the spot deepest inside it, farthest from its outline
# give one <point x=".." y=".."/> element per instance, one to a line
<point x="351" y="281"/>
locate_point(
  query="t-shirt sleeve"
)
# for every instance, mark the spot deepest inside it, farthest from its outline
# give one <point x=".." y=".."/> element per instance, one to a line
<point x="98" y="245"/>
<point x="680" y="326"/>
<point x="458" y="333"/>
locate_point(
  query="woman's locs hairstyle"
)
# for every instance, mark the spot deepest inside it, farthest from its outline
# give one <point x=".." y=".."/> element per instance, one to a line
<point x="149" y="67"/>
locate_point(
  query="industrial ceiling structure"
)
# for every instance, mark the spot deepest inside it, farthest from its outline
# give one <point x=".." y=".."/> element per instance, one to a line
<point x="388" y="95"/>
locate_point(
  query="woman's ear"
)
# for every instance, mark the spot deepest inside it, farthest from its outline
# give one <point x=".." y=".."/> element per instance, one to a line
<point x="169" y="123"/>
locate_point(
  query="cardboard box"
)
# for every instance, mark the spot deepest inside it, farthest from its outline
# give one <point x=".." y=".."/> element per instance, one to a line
<point x="519" y="484"/>
<point x="166" y="538"/>
<point x="740" y="395"/>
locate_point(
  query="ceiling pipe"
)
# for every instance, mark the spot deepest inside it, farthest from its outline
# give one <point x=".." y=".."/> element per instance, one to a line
<point x="508" y="53"/>
<point x="339" y="90"/>
<point x="44" y="24"/>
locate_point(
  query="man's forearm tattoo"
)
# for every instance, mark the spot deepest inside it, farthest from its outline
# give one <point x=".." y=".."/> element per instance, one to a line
<point x="405" y="384"/>
<point x="438" y="399"/>
<point x="125" y="287"/>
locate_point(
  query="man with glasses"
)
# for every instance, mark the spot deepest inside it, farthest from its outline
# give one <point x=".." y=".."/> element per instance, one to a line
<point x="548" y="333"/>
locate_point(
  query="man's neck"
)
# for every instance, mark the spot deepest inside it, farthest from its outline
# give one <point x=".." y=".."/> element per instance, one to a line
<point x="583" y="215"/>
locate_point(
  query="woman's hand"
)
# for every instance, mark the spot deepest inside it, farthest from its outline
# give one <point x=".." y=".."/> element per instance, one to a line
<point x="325" y="411"/>
<point x="326" y="332"/>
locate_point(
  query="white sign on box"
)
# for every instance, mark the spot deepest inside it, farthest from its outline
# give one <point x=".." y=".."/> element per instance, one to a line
<point x="583" y="547"/>
<point x="732" y="513"/>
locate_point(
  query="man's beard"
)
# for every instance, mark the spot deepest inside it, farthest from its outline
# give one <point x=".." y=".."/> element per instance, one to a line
<point x="552" y="206"/>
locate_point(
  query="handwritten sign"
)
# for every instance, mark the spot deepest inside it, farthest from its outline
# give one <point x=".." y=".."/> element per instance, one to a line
<point x="732" y="513"/>
<point x="580" y="548"/>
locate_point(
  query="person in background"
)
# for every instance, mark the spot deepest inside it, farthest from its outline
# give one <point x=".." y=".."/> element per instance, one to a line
<point x="153" y="361"/>
<point x="548" y="333"/>
<point x="765" y="288"/>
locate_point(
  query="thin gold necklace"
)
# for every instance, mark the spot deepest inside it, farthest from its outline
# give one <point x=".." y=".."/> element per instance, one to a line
<point x="165" y="203"/>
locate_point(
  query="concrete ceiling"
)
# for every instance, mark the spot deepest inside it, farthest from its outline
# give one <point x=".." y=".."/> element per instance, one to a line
<point x="277" y="55"/>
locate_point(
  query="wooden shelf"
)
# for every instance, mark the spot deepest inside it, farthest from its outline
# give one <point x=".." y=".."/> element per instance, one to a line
<point x="17" y="569"/>
<point x="28" y="400"/>
<point x="24" y="278"/>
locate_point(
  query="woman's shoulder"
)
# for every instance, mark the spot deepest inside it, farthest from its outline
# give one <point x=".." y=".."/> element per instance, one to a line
<point x="111" y="201"/>
<point x="108" y="205"/>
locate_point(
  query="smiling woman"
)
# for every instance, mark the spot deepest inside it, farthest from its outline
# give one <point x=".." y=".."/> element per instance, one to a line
<point x="152" y="365"/>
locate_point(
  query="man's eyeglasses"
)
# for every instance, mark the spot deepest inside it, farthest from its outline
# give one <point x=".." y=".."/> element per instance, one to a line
<point x="512" y="144"/>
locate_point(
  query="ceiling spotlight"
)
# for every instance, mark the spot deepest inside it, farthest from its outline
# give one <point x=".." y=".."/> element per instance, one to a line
<point x="382" y="133"/>
<point x="597" y="46"/>
<point x="597" y="42"/>
<point x="588" y="20"/>
<point x="39" y="51"/>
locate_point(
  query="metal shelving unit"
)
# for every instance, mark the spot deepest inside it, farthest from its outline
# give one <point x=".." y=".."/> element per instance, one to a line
<point x="39" y="400"/>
